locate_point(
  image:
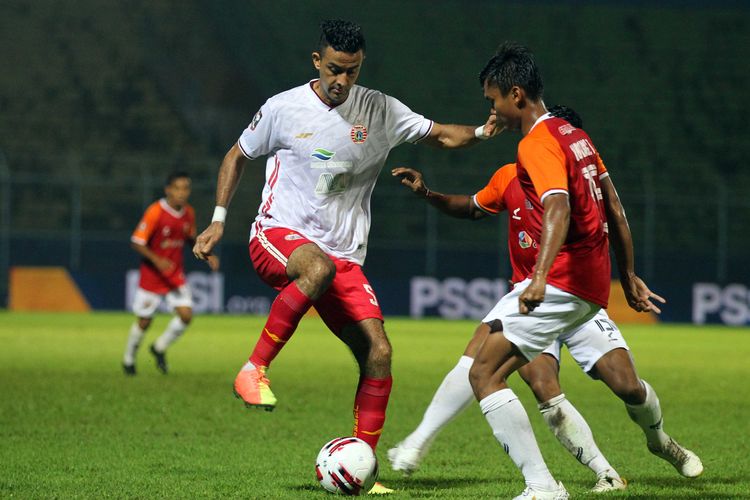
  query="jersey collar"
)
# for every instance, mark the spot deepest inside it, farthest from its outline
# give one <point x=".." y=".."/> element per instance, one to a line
<point x="320" y="103"/>
<point x="171" y="211"/>
<point x="539" y="120"/>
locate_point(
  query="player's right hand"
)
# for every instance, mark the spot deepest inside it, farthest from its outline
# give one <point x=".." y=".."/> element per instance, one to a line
<point x="163" y="264"/>
<point x="411" y="178"/>
<point x="207" y="240"/>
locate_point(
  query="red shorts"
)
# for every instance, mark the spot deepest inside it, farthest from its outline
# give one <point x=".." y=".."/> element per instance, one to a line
<point x="349" y="299"/>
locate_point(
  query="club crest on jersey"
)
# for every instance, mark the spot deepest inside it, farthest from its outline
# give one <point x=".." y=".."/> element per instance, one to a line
<point x="322" y="154"/>
<point x="256" y="119"/>
<point x="358" y="134"/>
<point x="524" y="240"/>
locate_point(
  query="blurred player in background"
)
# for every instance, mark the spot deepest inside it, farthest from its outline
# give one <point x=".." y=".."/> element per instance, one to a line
<point x="167" y="225"/>
<point x="326" y="142"/>
<point x="598" y="346"/>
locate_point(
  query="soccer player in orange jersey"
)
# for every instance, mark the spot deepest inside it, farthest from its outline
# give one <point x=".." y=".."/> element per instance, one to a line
<point x="166" y="226"/>
<point x="598" y="346"/>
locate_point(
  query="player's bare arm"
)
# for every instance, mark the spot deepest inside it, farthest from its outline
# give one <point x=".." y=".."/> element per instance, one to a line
<point x="637" y="293"/>
<point x="460" y="136"/>
<point x="460" y="206"/>
<point x="555" y="224"/>
<point x="163" y="264"/>
<point x="230" y="174"/>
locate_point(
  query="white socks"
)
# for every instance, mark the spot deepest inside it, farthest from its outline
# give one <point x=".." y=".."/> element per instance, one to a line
<point x="648" y="417"/>
<point x="574" y="433"/>
<point x="453" y="395"/>
<point x="134" y="341"/>
<point x="174" y="329"/>
<point x="511" y="427"/>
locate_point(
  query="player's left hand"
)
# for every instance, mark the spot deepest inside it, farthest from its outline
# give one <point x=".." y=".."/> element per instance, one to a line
<point x="207" y="240"/>
<point x="639" y="296"/>
<point x="411" y="178"/>
<point x="532" y="296"/>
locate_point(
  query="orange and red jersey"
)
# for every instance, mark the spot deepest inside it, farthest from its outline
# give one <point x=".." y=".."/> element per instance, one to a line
<point x="555" y="157"/>
<point x="164" y="231"/>
<point x="503" y="192"/>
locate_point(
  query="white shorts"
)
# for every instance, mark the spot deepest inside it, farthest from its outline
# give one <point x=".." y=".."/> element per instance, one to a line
<point x="145" y="303"/>
<point x="532" y="333"/>
<point x="588" y="343"/>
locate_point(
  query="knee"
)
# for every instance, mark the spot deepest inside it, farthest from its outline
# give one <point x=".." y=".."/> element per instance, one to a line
<point x="144" y="323"/>
<point x="185" y="316"/>
<point x="631" y="392"/>
<point x="380" y="355"/>
<point x="321" y="273"/>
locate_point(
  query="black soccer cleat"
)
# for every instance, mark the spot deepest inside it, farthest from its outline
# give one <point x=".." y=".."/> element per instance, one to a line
<point x="128" y="369"/>
<point x="160" y="358"/>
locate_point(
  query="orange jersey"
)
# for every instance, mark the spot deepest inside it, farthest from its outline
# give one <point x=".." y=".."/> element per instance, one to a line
<point x="556" y="157"/>
<point x="503" y="192"/>
<point x="164" y="231"/>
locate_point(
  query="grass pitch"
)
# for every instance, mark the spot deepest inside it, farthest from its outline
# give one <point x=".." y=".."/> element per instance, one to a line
<point x="72" y="425"/>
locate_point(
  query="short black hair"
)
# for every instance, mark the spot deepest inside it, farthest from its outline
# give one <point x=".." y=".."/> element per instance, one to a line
<point x="177" y="174"/>
<point x="342" y="36"/>
<point x="567" y="114"/>
<point x="513" y="64"/>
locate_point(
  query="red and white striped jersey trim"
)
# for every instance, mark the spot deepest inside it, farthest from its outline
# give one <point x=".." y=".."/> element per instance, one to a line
<point x="268" y="246"/>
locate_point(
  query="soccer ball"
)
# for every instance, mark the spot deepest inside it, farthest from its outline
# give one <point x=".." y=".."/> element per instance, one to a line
<point x="346" y="465"/>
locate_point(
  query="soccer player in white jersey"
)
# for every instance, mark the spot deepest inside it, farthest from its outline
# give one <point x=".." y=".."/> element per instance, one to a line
<point x="598" y="346"/>
<point x="326" y="142"/>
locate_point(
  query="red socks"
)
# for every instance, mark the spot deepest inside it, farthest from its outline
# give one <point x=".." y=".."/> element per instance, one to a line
<point x="369" y="408"/>
<point x="286" y="311"/>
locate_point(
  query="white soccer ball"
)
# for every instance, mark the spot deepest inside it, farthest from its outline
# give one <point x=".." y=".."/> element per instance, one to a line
<point x="347" y="465"/>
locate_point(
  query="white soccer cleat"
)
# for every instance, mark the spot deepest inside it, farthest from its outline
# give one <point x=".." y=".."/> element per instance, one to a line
<point x="559" y="493"/>
<point x="609" y="483"/>
<point x="685" y="461"/>
<point x="405" y="459"/>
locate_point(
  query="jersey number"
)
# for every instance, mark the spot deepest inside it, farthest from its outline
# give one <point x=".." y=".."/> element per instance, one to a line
<point x="371" y="293"/>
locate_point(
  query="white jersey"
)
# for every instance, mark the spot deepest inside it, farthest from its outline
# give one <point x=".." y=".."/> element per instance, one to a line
<point x="323" y="162"/>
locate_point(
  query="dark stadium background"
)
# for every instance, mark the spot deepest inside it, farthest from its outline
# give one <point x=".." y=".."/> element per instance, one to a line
<point x="100" y="99"/>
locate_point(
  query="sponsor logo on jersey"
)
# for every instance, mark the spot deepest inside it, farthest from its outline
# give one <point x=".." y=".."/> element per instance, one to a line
<point x="566" y="129"/>
<point x="524" y="240"/>
<point x="292" y="237"/>
<point x="358" y="134"/>
<point x="303" y="135"/>
<point x="322" y="154"/>
<point x="528" y="204"/>
<point x="256" y="119"/>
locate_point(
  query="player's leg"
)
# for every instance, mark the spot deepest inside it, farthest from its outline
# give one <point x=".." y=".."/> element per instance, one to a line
<point x="617" y="369"/>
<point x="515" y="338"/>
<point x="181" y="302"/>
<point x="302" y="272"/>
<point x="452" y="396"/>
<point x="351" y="311"/>
<point x="144" y="306"/>
<point x="564" y="420"/>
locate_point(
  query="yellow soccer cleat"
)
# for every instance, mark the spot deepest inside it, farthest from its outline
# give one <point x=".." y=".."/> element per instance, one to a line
<point x="254" y="388"/>
<point x="379" y="489"/>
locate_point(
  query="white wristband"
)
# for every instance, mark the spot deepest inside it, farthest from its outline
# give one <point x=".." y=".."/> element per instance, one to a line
<point x="220" y="214"/>
<point x="479" y="133"/>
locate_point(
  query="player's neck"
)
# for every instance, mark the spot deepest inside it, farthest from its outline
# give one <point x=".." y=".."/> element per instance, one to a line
<point x="531" y="114"/>
<point x="174" y="205"/>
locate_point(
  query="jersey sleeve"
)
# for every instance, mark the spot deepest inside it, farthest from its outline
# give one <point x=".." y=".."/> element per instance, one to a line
<point x="544" y="161"/>
<point x="147" y="225"/>
<point x="601" y="169"/>
<point x="258" y="138"/>
<point x="491" y="197"/>
<point x="404" y="125"/>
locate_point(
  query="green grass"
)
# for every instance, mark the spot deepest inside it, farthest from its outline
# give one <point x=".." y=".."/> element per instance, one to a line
<point x="71" y="425"/>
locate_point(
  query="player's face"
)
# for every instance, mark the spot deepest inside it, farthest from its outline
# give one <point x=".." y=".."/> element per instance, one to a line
<point x="506" y="108"/>
<point x="178" y="192"/>
<point x="338" y="74"/>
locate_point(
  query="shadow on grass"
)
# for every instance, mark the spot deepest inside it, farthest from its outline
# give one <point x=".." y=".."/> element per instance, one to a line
<point x="416" y="484"/>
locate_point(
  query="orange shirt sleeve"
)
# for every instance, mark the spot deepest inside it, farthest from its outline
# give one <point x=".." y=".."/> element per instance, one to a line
<point x="490" y="197"/>
<point x="600" y="167"/>
<point x="544" y="160"/>
<point x="147" y="225"/>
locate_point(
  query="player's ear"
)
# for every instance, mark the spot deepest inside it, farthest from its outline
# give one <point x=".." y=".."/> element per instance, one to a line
<point x="316" y="59"/>
<point x="519" y="96"/>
